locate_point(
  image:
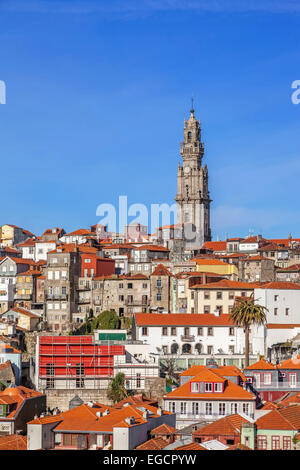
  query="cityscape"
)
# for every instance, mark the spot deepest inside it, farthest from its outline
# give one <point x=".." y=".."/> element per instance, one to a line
<point x="149" y="229"/>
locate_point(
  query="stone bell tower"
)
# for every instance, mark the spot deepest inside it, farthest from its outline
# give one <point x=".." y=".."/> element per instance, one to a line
<point x="193" y="200"/>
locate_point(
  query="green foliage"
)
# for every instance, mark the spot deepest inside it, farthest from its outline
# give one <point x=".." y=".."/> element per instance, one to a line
<point x="117" y="391"/>
<point x="107" y="320"/>
<point x="245" y="314"/>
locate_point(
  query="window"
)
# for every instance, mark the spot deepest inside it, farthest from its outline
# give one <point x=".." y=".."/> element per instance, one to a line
<point x="210" y="331"/>
<point x="183" y="407"/>
<point x="219" y="295"/>
<point x="292" y="380"/>
<point x="129" y="285"/>
<point x="194" y="387"/>
<point x="231" y="295"/>
<point x="234" y="408"/>
<point x="87" y="260"/>
<point x="207" y="295"/>
<point x="158" y="297"/>
<point x="231" y="331"/>
<point x="158" y="283"/>
<point x="244" y="294"/>
<point x="144" y="331"/>
<point x="195" y="408"/>
<point x="286" y="442"/>
<point x="210" y="349"/>
<point x="275" y="440"/>
<point x="231" y="349"/>
<point x="139" y="267"/>
<point x="275" y="311"/>
<point x="121" y="285"/>
<point x="261" y="442"/>
<point x="165" y="331"/>
<point x="138" y="380"/>
<point x="208" y="387"/>
<point x="222" y="408"/>
<point x="50" y="275"/>
<point x="218" y="387"/>
<point x="246" y="408"/>
<point x="144" y="286"/>
<point x="287" y="311"/>
<point x="200" y="331"/>
<point x="172" y="406"/>
<point x="173" y="331"/>
<point x="208" y="408"/>
<point x="267" y="378"/>
<point x="275" y="297"/>
<point x="206" y="308"/>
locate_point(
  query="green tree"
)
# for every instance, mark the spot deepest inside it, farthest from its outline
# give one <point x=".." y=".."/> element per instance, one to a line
<point x="108" y="320"/>
<point x="245" y="314"/>
<point x="117" y="390"/>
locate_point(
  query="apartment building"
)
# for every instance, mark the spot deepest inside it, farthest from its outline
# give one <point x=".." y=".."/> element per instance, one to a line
<point x="256" y="269"/>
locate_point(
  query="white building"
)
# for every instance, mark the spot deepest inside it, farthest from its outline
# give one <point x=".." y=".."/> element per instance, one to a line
<point x="194" y="334"/>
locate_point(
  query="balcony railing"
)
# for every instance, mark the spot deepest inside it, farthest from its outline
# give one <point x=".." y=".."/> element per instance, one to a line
<point x="208" y="417"/>
<point x="276" y="386"/>
<point x="188" y="338"/>
<point x="56" y="296"/>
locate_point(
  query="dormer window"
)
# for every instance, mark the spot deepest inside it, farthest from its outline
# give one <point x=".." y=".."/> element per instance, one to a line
<point x="208" y="387"/>
<point x="218" y="387"/>
<point x="195" y="387"/>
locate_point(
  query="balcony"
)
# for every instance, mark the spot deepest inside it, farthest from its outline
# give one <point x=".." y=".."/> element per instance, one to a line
<point x="284" y="386"/>
<point x="187" y="338"/>
<point x="56" y="296"/>
<point x="84" y="301"/>
<point x="137" y="303"/>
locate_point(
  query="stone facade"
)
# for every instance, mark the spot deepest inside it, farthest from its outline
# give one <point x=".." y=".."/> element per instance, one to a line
<point x="193" y="200"/>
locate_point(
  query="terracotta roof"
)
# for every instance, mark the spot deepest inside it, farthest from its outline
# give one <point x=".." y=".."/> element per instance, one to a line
<point x="279" y="285"/>
<point x="30" y="272"/>
<point x="281" y="326"/>
<point x="192" y="446"/>
<point x="256" y="258"/>
<point x="281" y="419"/>
<point x="292" y="363"/>
<point x="161" y="270"/>
<point x="269" y="405"/>
<point x="13" y="442"/>
<point x="80" y="232"/>
<point x="215" y="246"/>
<point x="5" y="365"/>
<point x="293" y="268"/>
<point x="262" y="364"/>
<point x="290" y="400"/>
<point x="182" y="319"/>
<point x="208" y="262"/>
<point x="153" y="444"/>
<point x="227" y="426"/>
<point x="24" y="311"/>
<point x="253" y="240"/>
<point x="227" y="284"/>
<point x="221" y="370"/>
<point x="163" y="429"/>
<point x="231" y="391"/>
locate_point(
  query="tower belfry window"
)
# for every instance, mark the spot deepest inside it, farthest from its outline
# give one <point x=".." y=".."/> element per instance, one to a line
<point x="189" y="136"/>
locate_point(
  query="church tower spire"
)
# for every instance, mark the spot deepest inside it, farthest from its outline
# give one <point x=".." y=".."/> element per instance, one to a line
<point x="193" y="200"/>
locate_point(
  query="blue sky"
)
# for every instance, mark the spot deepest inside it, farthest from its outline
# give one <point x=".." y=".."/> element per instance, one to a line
<point x="97" y="92"/>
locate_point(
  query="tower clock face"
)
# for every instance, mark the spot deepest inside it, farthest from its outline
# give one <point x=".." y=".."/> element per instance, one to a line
<point x="187" y="170"/>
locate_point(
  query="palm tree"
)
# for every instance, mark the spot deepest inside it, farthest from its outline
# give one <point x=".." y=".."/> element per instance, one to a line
<point x="245" y="314"/>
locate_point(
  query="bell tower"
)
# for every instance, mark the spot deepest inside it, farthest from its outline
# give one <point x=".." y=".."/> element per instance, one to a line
<point x="193" y="200"/>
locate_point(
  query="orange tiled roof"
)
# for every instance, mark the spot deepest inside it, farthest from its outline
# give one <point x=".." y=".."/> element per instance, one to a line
<point x="229" y="425"/>
<point x="13" y="442"/>
<point x="208" y="262"/>
<point x="226" y="284"/>
<point x="161" y="270"/>
<point x="182" y="319"/>
<point x="231" y="391"/>
<point x="192" y="446"/>
<point x="24" y="311"/>
<point x="215" y="246"/>
<point x="292" y="363"/>
<point x="281" y="419"/>
<point x="291" y="400"/>
<point x="164" y="429"/>
<point x="156" y="443"/>
<point x="262" y="364"/>
<point x="221" y="370"/>
<point x="293" y="268"/>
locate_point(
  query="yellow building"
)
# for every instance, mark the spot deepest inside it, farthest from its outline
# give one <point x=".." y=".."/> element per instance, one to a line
<point x="217" y="267"/>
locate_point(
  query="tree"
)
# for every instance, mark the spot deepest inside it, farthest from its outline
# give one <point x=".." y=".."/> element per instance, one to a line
<point x="117" y="390"/>
<point x="245" y="314"/>
<point x="108" y="320"/>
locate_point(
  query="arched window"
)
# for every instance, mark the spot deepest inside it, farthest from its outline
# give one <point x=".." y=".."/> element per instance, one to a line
<point x="198" y="348"/>
<point x="186" y="348"/>
<point x="189" y="136"/>
<point x="174" y="348"/>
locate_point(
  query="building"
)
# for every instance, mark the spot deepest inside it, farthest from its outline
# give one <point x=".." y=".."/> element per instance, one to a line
<point x="226" y="430"/>
<point x="26" y="288"/>
<point x="24" y="318"/>
<point x="216" y="266"/>
<point x="96" y="426"/>
<point x="208" y="395"/>
<point x="9" y="353"/>
<point x="90" y="362"/>
<point x="11" y="235"/>
<point x="193" y="199"/>
<point x="275" y="430"/>
<point x="18" y="405"/>
<point x="289" y="274"/>
<point x="256" y="269"/>
<point x="196" y="334"/>
<point x="162" y="292"/>
<point x="272" y="381"/>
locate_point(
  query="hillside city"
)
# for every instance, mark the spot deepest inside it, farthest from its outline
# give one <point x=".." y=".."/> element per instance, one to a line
<point x="148" y="341"/>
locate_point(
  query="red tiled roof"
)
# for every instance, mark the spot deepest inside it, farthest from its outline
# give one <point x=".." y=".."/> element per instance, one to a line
<point x="227" y="426"/>
<point x="163" y="429"/>
<point x="231" y="391"/>
<point x="208" y="262"/>
<point x="293" y="268"/>
<point x="215" y="246"/>
<point x="182" y="319"/>
<point x="262" y="364"/>
<point x="192" y="446"/>
<point x="161" y="270"/>
<point x="220" y="370"/>
<point x="279" y="285"/>
<point x="13" y="442"/>
<point x="153" y="444"/>
<point x="227" y="284"/>
<point x="281" y="419"/>
<point x="292" y="363"/>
